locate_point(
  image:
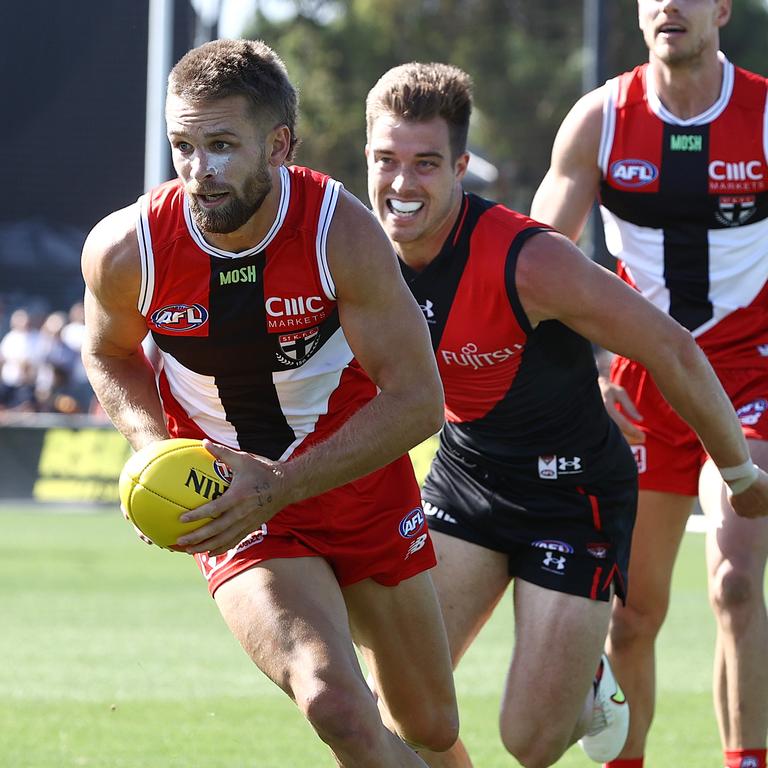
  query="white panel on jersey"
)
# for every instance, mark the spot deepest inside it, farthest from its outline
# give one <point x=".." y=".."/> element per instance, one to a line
<point x="282" y="210"/>
<point x="327" y="209"/>
<point x="738" y="268"/>
<point x="198" y="395"/>
<point x="304" y="392"/>
<point x="738" y="263"/>
<point x="642" y="250"/>
<point x="147" y="256"/>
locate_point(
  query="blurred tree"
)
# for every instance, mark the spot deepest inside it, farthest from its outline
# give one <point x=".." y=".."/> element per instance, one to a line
<point x="525" y="58"/>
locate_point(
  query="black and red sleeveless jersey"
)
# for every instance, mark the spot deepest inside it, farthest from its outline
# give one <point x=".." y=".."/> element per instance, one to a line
<point x="511" y="391"/>
<point x="685" y="207"/>
<point x="253" y="355"/>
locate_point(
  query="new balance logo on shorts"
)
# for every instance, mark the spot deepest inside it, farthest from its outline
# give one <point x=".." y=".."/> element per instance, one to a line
<point x="416" y="545"/>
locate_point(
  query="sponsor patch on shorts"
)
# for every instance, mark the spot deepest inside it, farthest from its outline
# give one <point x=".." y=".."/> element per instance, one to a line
<point x="412" y="523"/>
<point x="639" y="452"/>
<point x="751" y="413"/>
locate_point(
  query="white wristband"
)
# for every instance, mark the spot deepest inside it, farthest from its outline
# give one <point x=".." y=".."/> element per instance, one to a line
<point x="740" y="477"/>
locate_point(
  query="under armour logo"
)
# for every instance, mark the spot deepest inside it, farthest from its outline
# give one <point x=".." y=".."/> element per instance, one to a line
<point x="426" y="308"/>
<point x="569" y="465"/>
<point x="763" y="349"/>
<point x="553" y="561"/>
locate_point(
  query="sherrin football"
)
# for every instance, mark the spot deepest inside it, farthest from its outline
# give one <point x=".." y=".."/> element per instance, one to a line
<point x="165" y="479"/>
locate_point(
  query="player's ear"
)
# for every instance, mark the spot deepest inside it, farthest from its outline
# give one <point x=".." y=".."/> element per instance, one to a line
<point x="278" y="145"/>
<point x="461" y="165"/>
<point x="723" y="14"/>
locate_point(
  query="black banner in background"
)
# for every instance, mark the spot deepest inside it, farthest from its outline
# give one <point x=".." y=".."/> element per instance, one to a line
<point x="61" y="463"/>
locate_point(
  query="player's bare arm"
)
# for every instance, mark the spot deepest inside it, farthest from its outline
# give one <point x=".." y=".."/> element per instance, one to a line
<point x="596" y="304"/>
<point x="567" y="193"/>
<point x="387" y="334"/>
<point x="564" y="200"/>
<point x="119" y="372"/>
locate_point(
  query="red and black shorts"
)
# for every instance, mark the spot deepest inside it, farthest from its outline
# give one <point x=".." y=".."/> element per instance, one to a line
<point x="559" y="533"/>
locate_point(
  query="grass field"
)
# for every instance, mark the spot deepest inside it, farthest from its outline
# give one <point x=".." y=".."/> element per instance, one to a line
<point x="113" y="656"/>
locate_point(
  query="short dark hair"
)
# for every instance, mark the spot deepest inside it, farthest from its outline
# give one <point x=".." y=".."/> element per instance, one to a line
<point x="247" y="68"/>
<point x="422" y="92"/>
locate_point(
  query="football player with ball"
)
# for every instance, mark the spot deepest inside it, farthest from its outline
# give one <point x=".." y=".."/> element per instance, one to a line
<point x="282" y="322"/>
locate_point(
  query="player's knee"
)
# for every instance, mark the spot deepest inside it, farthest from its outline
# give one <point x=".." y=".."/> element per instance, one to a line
<point x="434" y="727"/>
<point x="534" y="748"/>
<point x="632" y="624"/>
<point x="733" y="590"/>
<point x="344" y="718"/>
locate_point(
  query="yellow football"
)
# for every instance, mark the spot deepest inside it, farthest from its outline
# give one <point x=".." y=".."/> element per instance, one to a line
<point x="165" y="479"/>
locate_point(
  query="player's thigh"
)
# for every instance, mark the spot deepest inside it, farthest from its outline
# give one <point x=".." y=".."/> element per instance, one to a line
<point x="399" y="630"/>
<point x="741" y="542"/>
<point x="469" y="580"/>
<point x="559" y="638"/>
<point x="659" y="528"/>
<point x="290" y="617"/>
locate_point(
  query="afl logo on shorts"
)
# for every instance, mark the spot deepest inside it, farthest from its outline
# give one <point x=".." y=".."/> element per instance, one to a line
<point x="633" y="173"/>
<point x="412" y="523"/>
<point x="180" y="317"/>
<point x="222" y="470"/>
<point x="751" y="413"/>
<point x="553" y="545"/>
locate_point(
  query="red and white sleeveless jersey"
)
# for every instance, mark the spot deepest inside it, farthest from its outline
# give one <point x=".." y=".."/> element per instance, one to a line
<point x="253" y="355"/>
<point x="685" y="206"/>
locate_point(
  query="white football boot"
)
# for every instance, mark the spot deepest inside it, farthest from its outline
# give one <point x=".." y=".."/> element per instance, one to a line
<point x="609" y="726"/>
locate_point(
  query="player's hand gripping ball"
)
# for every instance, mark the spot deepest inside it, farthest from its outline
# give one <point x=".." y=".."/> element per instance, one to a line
<point x="165" y="479"/>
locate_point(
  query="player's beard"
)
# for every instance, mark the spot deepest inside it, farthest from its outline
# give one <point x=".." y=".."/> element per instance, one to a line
<point x="239" y="207"/>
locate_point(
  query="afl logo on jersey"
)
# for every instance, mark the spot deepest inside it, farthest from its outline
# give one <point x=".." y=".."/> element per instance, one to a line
<point x="180" y="317"/>
<point x="633" y="173"/>
<point x="412" y="523"/>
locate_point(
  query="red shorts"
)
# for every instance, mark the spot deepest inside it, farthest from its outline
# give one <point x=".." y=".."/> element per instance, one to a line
<point x="373" y="528"/>
<point x="671" y="457"/>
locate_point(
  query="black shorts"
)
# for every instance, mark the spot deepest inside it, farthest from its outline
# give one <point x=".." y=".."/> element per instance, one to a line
<point x="564" y="534"/>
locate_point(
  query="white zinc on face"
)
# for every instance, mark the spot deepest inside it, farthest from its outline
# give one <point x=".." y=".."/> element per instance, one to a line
<point x="217" y="164"/>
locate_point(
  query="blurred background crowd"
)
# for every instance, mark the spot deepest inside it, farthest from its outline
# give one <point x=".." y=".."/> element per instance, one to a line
<point x="40" y="365"/>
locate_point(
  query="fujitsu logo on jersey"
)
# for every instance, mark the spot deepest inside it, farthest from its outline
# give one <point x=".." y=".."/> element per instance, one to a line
<point x="633" y="172"/>
<point x="470" y="356"/>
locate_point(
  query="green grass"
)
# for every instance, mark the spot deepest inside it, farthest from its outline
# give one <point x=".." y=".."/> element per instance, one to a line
<point x="114" y="656"/>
